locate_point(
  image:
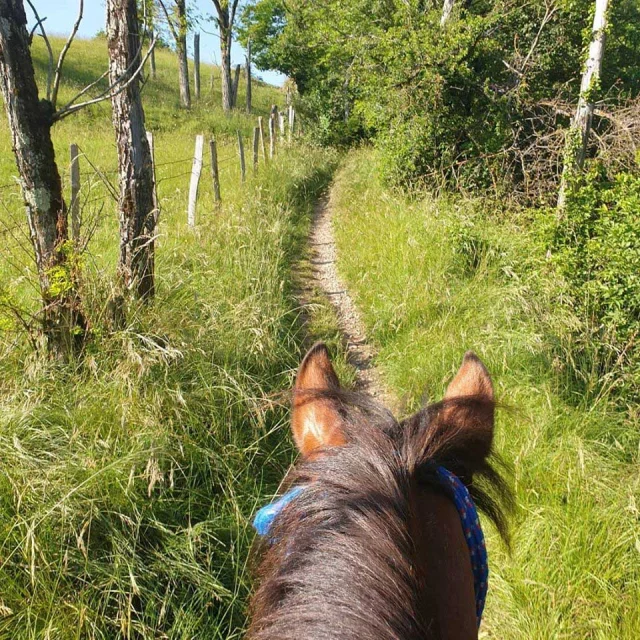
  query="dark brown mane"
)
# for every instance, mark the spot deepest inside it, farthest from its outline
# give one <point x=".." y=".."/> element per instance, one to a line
<point x="341" y="560"/>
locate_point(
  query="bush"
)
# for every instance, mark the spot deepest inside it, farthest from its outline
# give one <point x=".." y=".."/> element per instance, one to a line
<point x="595" y="245"/>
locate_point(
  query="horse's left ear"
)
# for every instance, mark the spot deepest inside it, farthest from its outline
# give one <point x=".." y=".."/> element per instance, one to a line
<point x="316" y="421"/>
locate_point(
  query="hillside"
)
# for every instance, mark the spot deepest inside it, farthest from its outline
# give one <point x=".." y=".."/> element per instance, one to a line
<point x="128" y="478"/>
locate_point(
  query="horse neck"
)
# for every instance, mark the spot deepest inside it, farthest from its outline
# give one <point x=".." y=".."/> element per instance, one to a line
<point x="405" y="574"/>
<point x="447" y="597"/>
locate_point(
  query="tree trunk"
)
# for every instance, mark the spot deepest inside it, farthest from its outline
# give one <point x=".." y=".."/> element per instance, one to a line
<point x="249" y="76"/>
<point x="136" y="210"/>
<point x="225" y="73"/>
<point x="196" y="65"/>
<point x="181" y="49"/>
<point x="234" y="87"/>
<point x="447" y="8"/>
<point x="578" y="134"/>
<point x="30" y="125"/>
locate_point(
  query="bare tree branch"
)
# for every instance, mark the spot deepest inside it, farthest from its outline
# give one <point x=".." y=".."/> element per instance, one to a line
<point x="33" y="30"/>
<point x="108" y="93"/>
<point x="63" y="53"/>
<point x="43" y="33"/>
<point x="87" y="88"/>
<point x="174" y="33"/>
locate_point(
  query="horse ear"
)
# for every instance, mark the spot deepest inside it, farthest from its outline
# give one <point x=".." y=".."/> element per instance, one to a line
<point x="316" y="421"/>
<point x="472" y="380"/>
<point x="468" y="409"/>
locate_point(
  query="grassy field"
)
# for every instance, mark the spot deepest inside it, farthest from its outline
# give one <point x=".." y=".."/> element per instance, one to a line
<point x="127" y="480"/>
<point x="435" y="278"/>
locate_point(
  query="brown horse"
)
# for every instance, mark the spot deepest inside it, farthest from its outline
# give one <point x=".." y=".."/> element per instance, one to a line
<point x="370" y="544"/>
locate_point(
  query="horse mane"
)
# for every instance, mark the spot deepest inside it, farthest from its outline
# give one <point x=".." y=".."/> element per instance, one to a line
<point x="340" y="559"/>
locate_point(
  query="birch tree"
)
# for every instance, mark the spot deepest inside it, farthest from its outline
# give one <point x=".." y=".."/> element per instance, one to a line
<point x="225" y="18"/>
<point x="136" y="209"/>
<point x="447" y="8"/>
<point x="178" y="26"/>
<point x="578" y="134"/>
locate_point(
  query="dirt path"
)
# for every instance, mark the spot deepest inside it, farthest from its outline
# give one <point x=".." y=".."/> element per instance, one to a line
<point x="324" y="276"/>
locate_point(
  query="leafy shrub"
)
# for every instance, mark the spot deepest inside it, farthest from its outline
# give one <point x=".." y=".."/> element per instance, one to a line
<point x="595" y="245"/>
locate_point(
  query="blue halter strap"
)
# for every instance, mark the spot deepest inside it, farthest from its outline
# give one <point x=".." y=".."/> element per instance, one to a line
<point x="461" y="497"/>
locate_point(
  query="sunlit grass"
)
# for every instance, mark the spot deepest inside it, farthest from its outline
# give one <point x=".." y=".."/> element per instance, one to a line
<point x="429" y="290"/>
<point x="127" y="479"/>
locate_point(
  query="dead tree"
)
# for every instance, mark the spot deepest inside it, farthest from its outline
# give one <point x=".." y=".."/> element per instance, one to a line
<point x="225" y="18"/>
<point x="136" y="207"/>
<point x="178" y="26"/>
<point x="30" y="121"/>
<point x="578" y="134"/>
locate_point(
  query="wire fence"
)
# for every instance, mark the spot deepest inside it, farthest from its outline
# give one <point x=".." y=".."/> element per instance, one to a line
<point x="227" y="160"/>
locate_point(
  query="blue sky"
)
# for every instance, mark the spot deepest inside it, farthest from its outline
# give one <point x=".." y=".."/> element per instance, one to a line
<point x="61" y="15"/>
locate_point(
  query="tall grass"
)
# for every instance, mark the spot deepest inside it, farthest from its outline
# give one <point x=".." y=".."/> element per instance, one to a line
<point x="127" y="479"/>
<point x="437" y="277"/>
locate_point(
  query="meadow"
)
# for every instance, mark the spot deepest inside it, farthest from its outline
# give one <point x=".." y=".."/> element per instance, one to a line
<point x="128" y="478"/>
<point x="435" y="277"/>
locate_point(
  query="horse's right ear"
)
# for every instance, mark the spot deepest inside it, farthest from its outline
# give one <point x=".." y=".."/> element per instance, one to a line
<point x="465" y="419"/>
<point x="316" y="421"/>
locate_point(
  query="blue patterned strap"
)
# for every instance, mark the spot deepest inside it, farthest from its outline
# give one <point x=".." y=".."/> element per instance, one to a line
<point x="472" y="533"/>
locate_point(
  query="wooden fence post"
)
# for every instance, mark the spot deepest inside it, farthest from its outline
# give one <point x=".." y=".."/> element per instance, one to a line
<point x="75" y="193"/>
<point x="291" y="120"/>
<point x="281" y="123"/>
<point x="214" y="169"/>
<point x="243" y="170"/>
<point x="234" y="87"/>
<point x="262" y="145"/>
<point x="196" y="169"/>
<point x="256" y="138"/>
<point x="272" y="136"/>
<point x="156" y="202"/>
<point x="196" y="65"/>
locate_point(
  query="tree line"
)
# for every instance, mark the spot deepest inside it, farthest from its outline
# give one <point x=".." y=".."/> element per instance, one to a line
<point x="464" y="92"/>
<point x="131" y="34"/>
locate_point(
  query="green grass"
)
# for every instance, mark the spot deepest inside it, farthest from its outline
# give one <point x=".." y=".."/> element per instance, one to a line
<point x="434" y="278"/>
<point x="128" y="479"/>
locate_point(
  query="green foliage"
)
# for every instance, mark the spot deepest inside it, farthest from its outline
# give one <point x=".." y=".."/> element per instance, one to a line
<point x="438" y="101"/>
<point x="595" y="245"/>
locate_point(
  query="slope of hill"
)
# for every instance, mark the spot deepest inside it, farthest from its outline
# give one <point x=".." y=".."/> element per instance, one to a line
<point x="128" y="477"/>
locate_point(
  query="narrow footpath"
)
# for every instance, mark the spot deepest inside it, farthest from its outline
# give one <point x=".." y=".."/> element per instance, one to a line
<point x="324" y="276"/>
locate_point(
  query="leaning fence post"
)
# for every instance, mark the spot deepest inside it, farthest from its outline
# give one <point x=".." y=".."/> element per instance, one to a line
<point x="292" y="118"/>
<point x="281" y="123"/>
<point x="272" y="136"/>
<point x="262" y="145"/>
<point x="243" y="172"/>
<point x="75" y="193"/>
<point x="156" y="202"/>
<point x="256" y="138"/>
<point x="215" y="176"/>
<point x="196" y="169"/>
